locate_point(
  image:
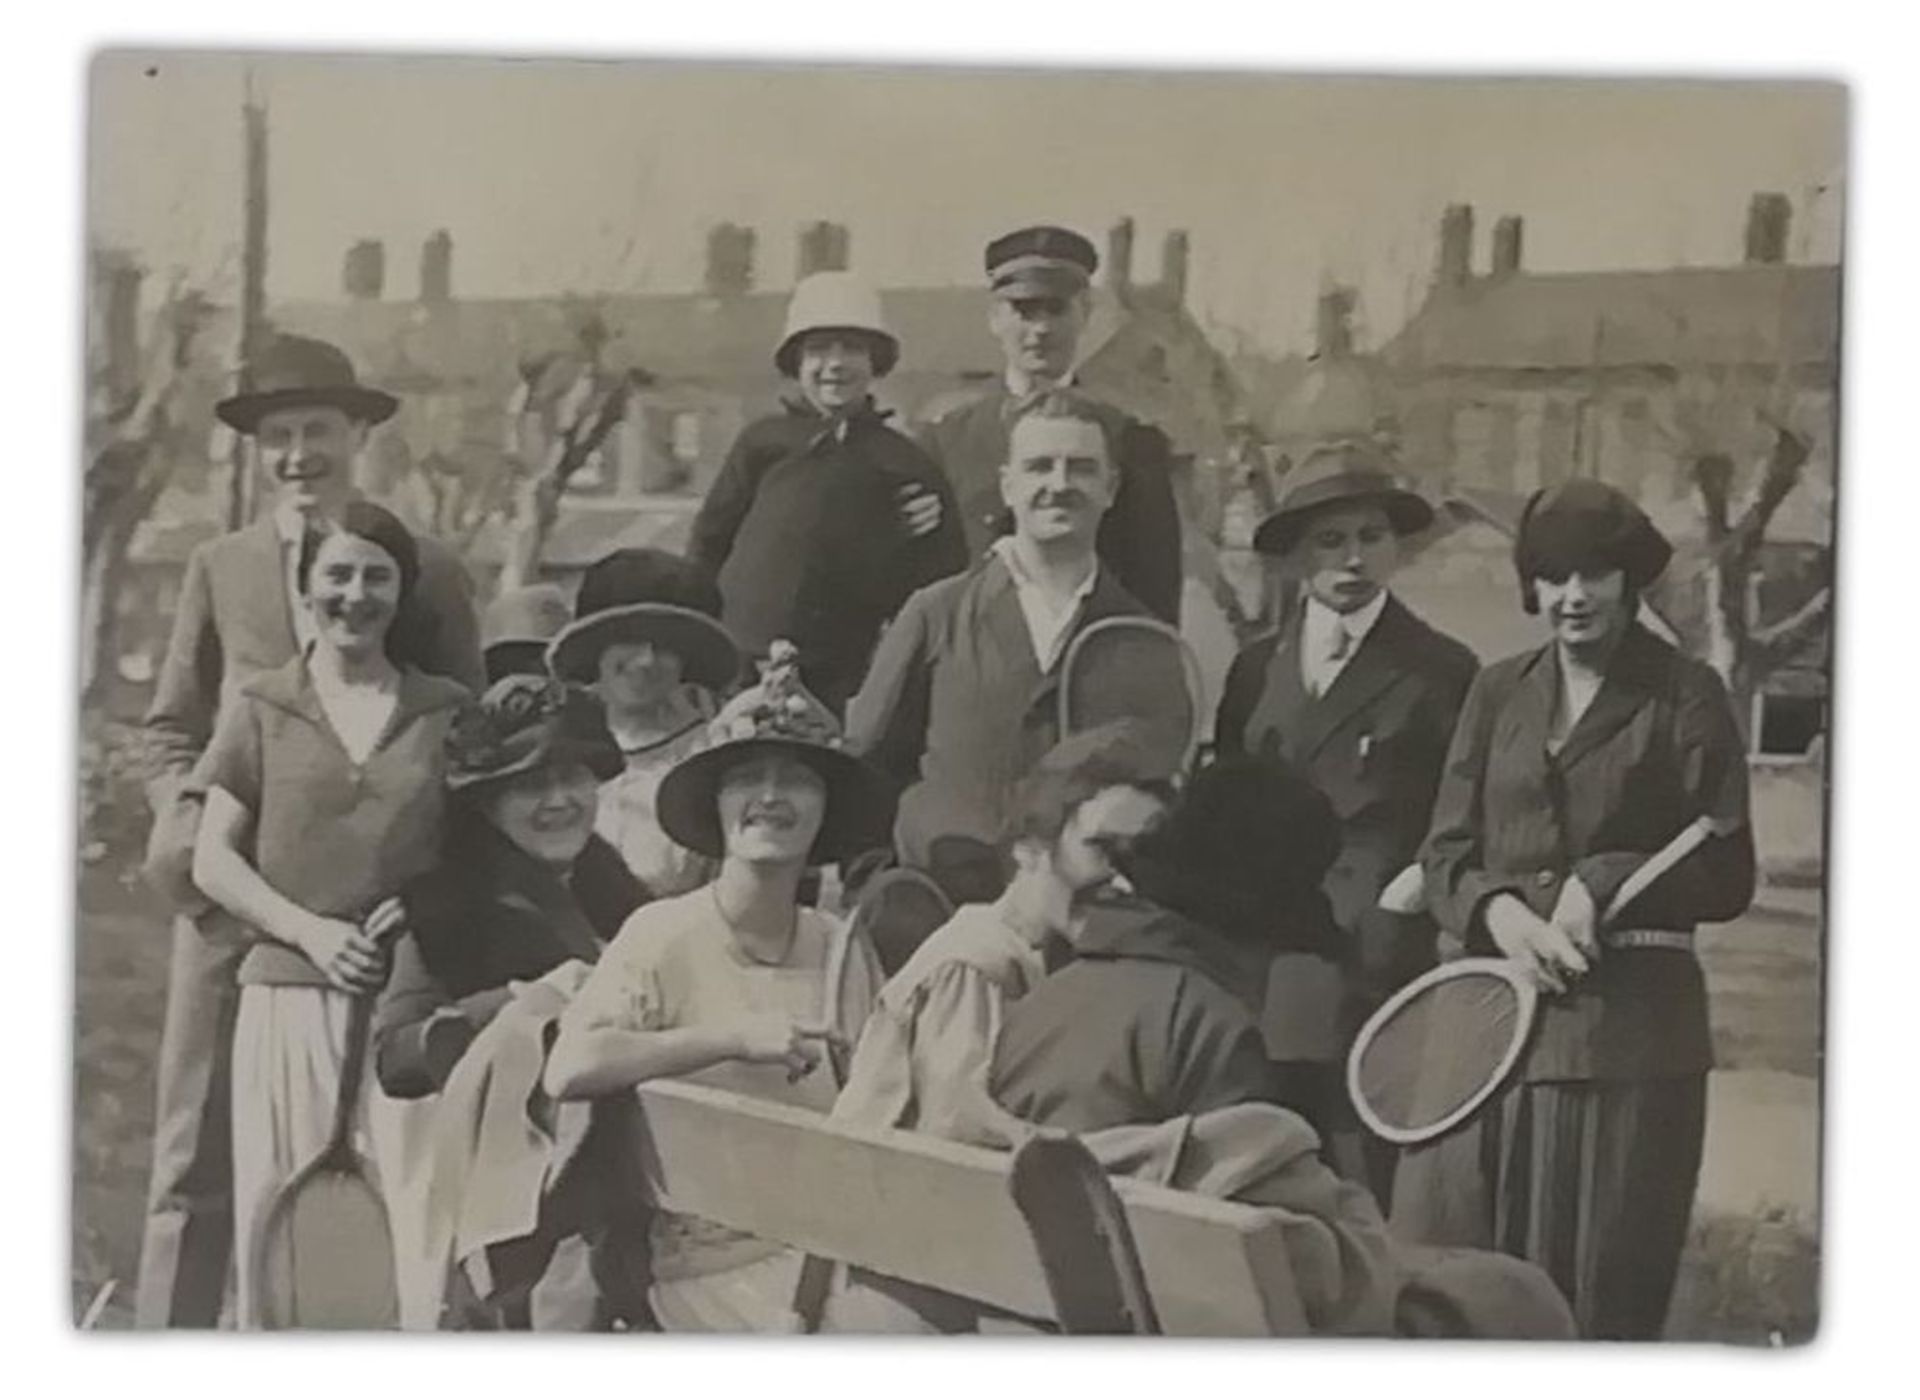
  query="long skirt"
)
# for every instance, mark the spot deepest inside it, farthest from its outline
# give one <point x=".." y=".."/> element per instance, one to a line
<point x="289" y="1044"/>
<point x="1592" y="1181"/>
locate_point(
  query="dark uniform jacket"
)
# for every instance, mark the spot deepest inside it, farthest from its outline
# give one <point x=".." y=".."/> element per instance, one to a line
<point x="1140" y="536"/>
<point x="1656" y="749"/>
<point x="802" y="530"/>
<point x="1373" y="743"/>
<point x="1139" y="1027"/>
<point x="956" y="708"/>
<point x="487" y="916"/>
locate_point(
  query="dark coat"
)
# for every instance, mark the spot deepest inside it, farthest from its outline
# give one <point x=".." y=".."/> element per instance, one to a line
<point x="956" y="709"/>
<point x="1140" y="536"/>
<point x="1374" y="744"/>
<point x="487" y="916"/>
<point x="1140" y="1027"/>
<point x="1656" y="749"/>
<point x="802" y="529"/>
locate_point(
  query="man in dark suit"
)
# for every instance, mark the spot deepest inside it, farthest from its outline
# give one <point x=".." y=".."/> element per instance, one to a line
<point x="1039" y="279"/>
<point x="305" y="417"/>
<point x="1362" y="696"/>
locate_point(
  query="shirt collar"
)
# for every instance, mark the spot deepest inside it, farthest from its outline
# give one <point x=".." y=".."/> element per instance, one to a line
<point x="1321" y="619"/>
<point x="1069" y="380"/>
<point x="1010" y="557"/>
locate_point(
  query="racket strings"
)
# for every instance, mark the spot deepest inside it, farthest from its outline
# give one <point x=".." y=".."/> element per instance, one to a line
<point x="1442" y="1048"/>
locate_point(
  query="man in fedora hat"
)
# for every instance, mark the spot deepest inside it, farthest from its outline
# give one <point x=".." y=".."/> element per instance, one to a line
<point x="1039" y="278"/>
<point x="1361" y="695"/>
<point x="304" y="417"/>
<point x="824" y="517"/>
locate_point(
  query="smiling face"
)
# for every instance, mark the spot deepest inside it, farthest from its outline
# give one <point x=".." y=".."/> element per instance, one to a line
<point x="1058" y="480"/>
<point x="771" y="807"/>
<point x="836" y="369"/>
<point x="547" y="811"/>
<point x="353" y="593"/>
<point x="1345" y="555"/>
<point x="637" y="677"/>
<point x="1587" y="610"/>
<point x="1053" y="877"/>
<point x="308" y="452"/>
<point x="1039" y="335"/>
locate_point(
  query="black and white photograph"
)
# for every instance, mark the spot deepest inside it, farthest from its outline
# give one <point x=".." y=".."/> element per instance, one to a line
<point x="851" y="699"/>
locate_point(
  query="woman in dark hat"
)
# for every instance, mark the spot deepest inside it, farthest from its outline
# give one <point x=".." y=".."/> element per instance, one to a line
<point x="517" y="628"/>
<point x="1361" y="695"/>
<point x="737" y="984"/>
<point x="323" y="799"/>
<point x="1571" y="766"/>
<point x="646" y="640"/>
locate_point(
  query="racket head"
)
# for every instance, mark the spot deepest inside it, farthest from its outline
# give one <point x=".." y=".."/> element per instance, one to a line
<point x="324" y="1255"/>
<point x="1137" y="669"/>
<point x="1440" y="1047"/>
<point x="897" y="911"/>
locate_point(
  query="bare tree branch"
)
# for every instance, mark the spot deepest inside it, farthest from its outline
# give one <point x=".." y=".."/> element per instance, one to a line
<point x="1778" y="641"/>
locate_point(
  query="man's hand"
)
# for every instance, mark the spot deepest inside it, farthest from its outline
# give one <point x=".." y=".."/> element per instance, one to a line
<point x="920" y="510"/>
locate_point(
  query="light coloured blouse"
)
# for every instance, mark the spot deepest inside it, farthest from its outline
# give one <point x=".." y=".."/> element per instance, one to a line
<point x="628" y="822"/>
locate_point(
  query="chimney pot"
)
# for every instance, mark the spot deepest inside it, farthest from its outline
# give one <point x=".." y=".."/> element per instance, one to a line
<point x="1173" y="267"/>
<point x="436" y="269"/>
<point x="1455" y="267"/>
<point x="1120" y="256"/>
<point x="1769" y="216"/>
<point x="364" y="274"/>
<point x="824" y="247"/>
<point x="1333" y="323"/>
<point x="1508" y="236"/>
<point x="729" y="260"/>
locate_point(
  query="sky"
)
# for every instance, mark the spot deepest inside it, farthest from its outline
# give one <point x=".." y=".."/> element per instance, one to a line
<point x="597" y="176"/>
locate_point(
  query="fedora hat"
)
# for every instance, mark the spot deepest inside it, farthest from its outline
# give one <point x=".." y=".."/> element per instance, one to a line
<point x="635" y="595"/>
<point x="293" y="371"/>
<point x="1345" y="473"/>
<point x="1586" y="525"/>
<point x="517" y="627"/>
<point x="779" y="715"/>
<point x="522" y="722"/>
<point x="835" y="301"/>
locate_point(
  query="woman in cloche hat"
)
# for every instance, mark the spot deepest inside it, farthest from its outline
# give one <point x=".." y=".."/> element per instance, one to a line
<point x="737" y="984"/>
<point x="646" y="640"/>
<point x="1572" y="765"/>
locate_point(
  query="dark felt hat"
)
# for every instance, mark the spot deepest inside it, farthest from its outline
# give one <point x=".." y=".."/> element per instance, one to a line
<point x="293" y="371"/>
<point x="522" y="722"/>
<point x="1584" y="525"/>
<point x="1042" y="261"/>
<point x="518" y="626"/>
<point x="778" y="714"/>
<point x="647" y="595"/>
<point x="1346" y="473"/>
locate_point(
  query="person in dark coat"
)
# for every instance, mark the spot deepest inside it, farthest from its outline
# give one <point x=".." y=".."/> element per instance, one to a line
<point x="963" y="698"/>
<point x="824" y="518"/>
<point x="1571" y="766"/>
<point x="1155" y="1015"/>
<point x="303" y="416"/>
<point x="1039" y="279"/>
<point x="1362" y="696"/>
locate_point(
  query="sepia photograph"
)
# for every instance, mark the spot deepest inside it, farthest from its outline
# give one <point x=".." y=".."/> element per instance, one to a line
<point x="853" y="699"/>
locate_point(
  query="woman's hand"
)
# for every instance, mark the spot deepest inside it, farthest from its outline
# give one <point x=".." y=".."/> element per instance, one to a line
<point x="1575" y="914"/>
<point x="351" y="959"/>
<point x="776" y="1040"/>
<point x="1542" y="947"/>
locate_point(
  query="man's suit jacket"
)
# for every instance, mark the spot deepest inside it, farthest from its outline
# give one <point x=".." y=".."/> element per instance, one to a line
<point x="1374" y="743"/>
<point x="235" y="621"/>
<point x="1139" y="539"/>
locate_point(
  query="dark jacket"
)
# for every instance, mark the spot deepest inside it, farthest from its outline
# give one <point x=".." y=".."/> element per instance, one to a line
<point x="1140" y="536"/>
<point x="802" y="530"/>
<point x="1140" y="1027"/>
<point x="1374" y="743"/>
<point x="1655" y="749"/>
<point x="487" y="916"/>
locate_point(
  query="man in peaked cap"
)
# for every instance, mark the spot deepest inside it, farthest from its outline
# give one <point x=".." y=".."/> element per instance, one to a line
<point x="304" y="416"/>
<point x="1039" y="278"/>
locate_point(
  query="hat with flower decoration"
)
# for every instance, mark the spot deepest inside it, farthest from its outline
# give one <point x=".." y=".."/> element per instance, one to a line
<point x="777" y="714"/>
<point x="524" y="721"/>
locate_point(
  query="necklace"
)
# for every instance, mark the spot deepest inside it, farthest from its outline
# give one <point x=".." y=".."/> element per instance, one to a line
<point x="734" y="932"/>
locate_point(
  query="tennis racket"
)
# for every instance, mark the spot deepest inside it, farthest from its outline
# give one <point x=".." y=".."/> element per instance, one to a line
<point x="1137" y="669"/>
<point x="897" y="911"/>
<point x="1443" y="1045"/>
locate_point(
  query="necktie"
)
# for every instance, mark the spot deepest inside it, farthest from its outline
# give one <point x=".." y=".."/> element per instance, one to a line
<point x="1339" y="644"/>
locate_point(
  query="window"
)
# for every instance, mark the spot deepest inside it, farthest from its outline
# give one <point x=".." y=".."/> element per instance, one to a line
<point x="1786" y="726"/>
<point x="685" y="437"/>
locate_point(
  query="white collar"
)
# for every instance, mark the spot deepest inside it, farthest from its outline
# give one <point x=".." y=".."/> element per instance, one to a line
<point x="1009" y="556"/>
<point x="1321" y="620"/>
<point x="1069" y="380"/>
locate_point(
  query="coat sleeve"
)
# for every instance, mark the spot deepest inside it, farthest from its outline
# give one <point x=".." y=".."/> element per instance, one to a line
<point x="1141" y="536"/>
<point x="944" y="552"/>
<point x="887" y="719"/>
<point x="1716" y="882"/>
<point x="1457" y="884"/>
<point x="1216" y="1056"/>
<point x="725" y="505"/>
<point x="1238" y="696"/>
<point x="413" y="1051"/>
<point x="179" y="722"/>
<point x="955" y="1029"/>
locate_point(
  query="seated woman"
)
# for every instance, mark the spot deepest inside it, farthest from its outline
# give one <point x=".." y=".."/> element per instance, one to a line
<point x="736" y="984"/>
<point x="645" y="640"/>
<point x="323" y="799"/>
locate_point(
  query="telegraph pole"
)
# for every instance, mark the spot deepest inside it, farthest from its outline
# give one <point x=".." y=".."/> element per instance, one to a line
<point x="253" y="286"/>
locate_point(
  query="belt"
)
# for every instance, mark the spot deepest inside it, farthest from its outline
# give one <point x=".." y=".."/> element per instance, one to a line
<point x="1674" y="939"/>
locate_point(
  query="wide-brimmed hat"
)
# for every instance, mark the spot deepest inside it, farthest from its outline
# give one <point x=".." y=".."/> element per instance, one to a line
<point x="635" y="595"/>
<point x="522" y="722"/>
<point x="1585" y="525"/>
<point x="293" y="371"/>
<point x="1041" y="261"/>
<point x="518" y="626"/>
<point x="777" y="715"/>
<point x="1347" y="473"/>
<point x="835" y="301"/>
